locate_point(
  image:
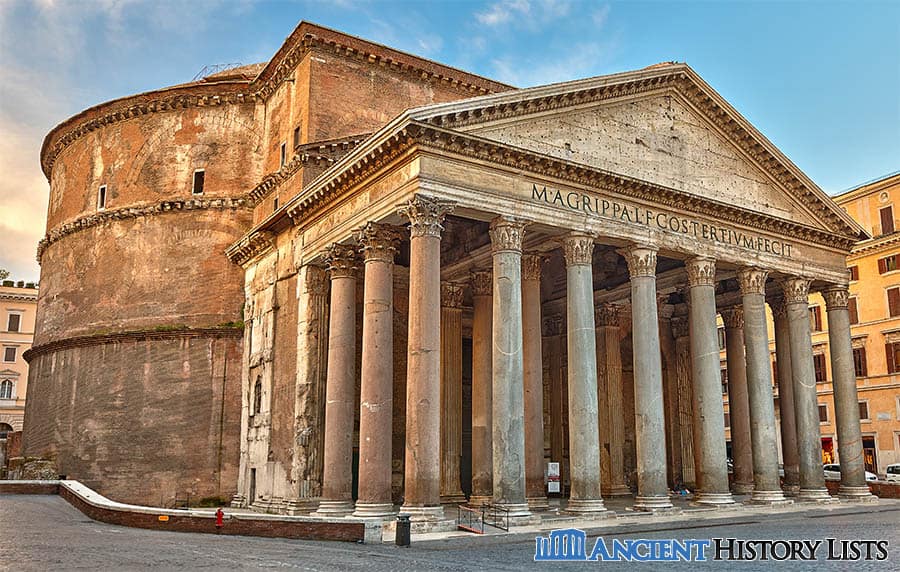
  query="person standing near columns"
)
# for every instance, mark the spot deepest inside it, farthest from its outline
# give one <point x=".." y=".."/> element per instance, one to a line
<point x="806" y="407"/>
<point x="482" y="453"/>
<point x="508" y="392"/>
<point x="340" y="385"/>
<point x="422" y="471"/>
<point x="584" y="433"/>
<point x="653" y="493"/>
<point x="846" y="402"/>
<point x="767" y="485"/>
<point x="611" y="366"/>
<point x="451" y="392"/>
<point x="535" y="491"/>
<point x="738" y="400"/>
<point x="709" y="410"/>
<point x="791" y="485"/>
<point x="378" y="245"/>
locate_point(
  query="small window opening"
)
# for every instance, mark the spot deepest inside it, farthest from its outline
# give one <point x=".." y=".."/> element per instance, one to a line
<point x="283" y="153"/>
<point x="199" y="179"/>
<point x="101" y="197"/>
<point x="275" y="204"/>
<point x="296" y="137"/>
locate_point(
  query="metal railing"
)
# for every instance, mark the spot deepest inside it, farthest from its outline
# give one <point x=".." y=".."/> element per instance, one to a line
<point x="470" y="518"/>
<point x="496" y="516"/>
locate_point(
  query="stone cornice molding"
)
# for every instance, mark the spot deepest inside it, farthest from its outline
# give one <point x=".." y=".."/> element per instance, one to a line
<point x="882" y="243"/>
<point x="18" y="297"/>
<point x="607" y="315"/>
<point x="425" y="215"/>
<point x="101" y="217"/>
<point x="531" y="266"/>
<point x="378" y="242"/>
<point x="451" y="295"/>
<point x="732" y="317"/>
<point x="482" y="283"/>
<point x="250" y="247"/>
<point x="132" y="336"/>
<point x="701" y="271"/>
<point x="796" y="290"/>
<point x="752" y="280"/>
<point x="836" y="297"/>
<point x="641" y="260"/>
<point x="506" y="234"/>
<point x="578" y="249"/>
<point x="342" y="261"/>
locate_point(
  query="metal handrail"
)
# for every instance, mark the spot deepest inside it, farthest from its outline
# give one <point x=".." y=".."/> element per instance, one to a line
<point x="470" y="518"/>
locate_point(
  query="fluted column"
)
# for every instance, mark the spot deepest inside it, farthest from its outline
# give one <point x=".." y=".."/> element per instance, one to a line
<point x="609" y="366"/>
<point x="680" y="331"/>
<point x="451" y="392"/>
<point x="648" y="405"/>
<point x="806" y="409"/>
<point x="340" y="385"/>
<point x="709" y="408"/>
<point x="422" y="471"/>
<point x="507" y="367"/>
<point x="482" y="453"/>
<point x="535" y="491"/>
<point x="377" y="373"/>
<point x="846" y="401"/>
<point x="767" y="485"/>
<point x="738" y="400"/>
<point x="791" y="485"/>
<point x="584" y="435"/>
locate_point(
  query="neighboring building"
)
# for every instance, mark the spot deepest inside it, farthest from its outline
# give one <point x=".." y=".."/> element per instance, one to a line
<point x="18" y="301"/>
<point x="432" y="284"/>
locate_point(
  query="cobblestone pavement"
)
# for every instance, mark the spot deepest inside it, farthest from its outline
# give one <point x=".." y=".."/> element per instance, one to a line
<point x="46" y="533"/>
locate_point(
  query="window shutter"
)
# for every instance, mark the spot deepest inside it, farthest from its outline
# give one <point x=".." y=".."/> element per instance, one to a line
<point x="854" y="311"/>
<point x="864" y="366"/>
<point x="882" y="266"/>
<point x="887" y="220"/>
<point x="894" y="301"/>
<point x="889" y="354"/>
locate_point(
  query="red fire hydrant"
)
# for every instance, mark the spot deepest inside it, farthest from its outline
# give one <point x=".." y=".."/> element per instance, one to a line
<point x="220" y="519"/>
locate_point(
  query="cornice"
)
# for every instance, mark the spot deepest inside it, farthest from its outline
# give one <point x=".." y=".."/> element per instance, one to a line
<point x="132" y="336"/>
<point x="874" y="245"/>
<point x="101" y="217"/>
<point x="18" y="297"/>
<point x="250" y="246"/>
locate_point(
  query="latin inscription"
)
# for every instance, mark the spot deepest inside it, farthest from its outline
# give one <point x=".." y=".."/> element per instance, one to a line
<point x="632" y="214"/>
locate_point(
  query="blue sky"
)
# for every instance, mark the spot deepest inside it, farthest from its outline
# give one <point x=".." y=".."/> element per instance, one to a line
<point x="820" y="80"/>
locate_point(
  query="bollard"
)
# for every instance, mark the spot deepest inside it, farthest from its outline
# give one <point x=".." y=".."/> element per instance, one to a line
<point x="403" y="530"/>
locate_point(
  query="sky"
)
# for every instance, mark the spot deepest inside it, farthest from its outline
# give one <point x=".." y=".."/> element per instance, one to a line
<point x="821" y="80"/>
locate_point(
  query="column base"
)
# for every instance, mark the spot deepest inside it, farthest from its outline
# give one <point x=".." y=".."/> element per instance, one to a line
<point x="238" y="501"/>
<point x="713" y="499"/>
<point x="300" y="507"/>
<point x="815" y="495"/>
<point x="653" y="504"/>
<point x="374" y="510"/>
<point x="856" y="494"/>
<point x="423" y="513"/>
<point x="455" y="498"/>
<point x="538" y="503"/>
<point x="791" y="490"/>
<point x="479" y="500"/>
<point x="771" y="498"/>
<point x="742" y="488"/>
<point x="332" y="508"/>
<point x="585" y="507"/>
<point x="617" y="491"/>
<point x="515" y="509"/>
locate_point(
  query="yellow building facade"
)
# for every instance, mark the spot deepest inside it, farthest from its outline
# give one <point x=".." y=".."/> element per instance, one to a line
<point x="18" y="301"/>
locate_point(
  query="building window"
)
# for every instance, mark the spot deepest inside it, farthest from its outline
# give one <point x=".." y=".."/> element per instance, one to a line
<point x="853" y="309"/>
<point x="101" y="197"/>
<point x="887" y="264"/>
<point x="6" y="389"/>
<point x="724" y="377"/>
<point x="823" y="413"/>
<point x="9" y="355"/>
<point x="199" y="179"/>
<point x="283" y="153"/>
<point x="815" y="318"/>
<point x="5" y="430"/>
<point x="859" y="362"/>
<point x="775" y="373"/>
<point x="727" y="420"/>
<point x="892" y="353"/>
<point x="275" y="204"/>
<point x="854" y="273"/>
<point x="887" y="219"/>
<point x="13" y="322"/>
<point x="893" y="295"/>
<point x="257" y="396"/>
<point x="819" y="362"/>
<point x="863" y="410"/>
<point x="296" y="137"/>
<point x="721" y="332"/>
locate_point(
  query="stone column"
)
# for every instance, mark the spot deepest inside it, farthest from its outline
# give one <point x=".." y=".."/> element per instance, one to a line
<point x="610" y="367"/>
<point x="535" y="490"/>
<point x="553" y="333"/>
<point x="377" y="372"/>
<point x="340" y="390"/>
<point x="422" y="470"/>
<point x="584" y="434"/>
<point x="846" y="402"/>
<point x="680" y="331"/>
<point x="738" y="400"/>
<point x="482" y="453"/>
<point x="508" y="392"/>
<point x="648" y="406"/>
<point x="789" y="454"/>
<point x="451" y="392"/>
<point x="767" y="484"/>
<point x="806" y="408"/>
<point x="709" y="410"/>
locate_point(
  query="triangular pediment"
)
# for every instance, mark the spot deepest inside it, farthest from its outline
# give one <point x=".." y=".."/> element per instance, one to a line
<point x="8" y="373"/>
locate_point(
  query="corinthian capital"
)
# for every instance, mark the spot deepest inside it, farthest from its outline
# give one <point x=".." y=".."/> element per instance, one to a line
<point x="578" y="248"/>
<point x="733" y="317"/>
<point x="701" y="271"/>
<point x="778" y="307"/>
<point x="836" y="297"/>
<point x="425" y="215"/>
<point x="506" y="234"/>
<point x="451" y="295"/>
<point x="316" y="280"/>
<point x="641" y="260"/>
<point x="482" y="283"/>
<point x="752" y="280"/>
<point x="531" y="266"/>
<point x="796" y="290"/>
<point x="342" y="261"/>
<point x="378" y="242"/>
<point x="607" y="315"/>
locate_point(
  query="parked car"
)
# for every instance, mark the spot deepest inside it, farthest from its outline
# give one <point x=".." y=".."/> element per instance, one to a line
<point x="892" y="473"/>
<point x="833" y="473"/>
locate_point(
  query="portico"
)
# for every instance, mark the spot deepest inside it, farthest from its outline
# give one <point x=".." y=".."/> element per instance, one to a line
<point x="546" y="230"/>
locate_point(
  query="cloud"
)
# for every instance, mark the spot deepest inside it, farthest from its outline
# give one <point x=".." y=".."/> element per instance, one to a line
<point x="577" y="61"/>
<point x="502" y="12"/>
<point x="600" y="16"/>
